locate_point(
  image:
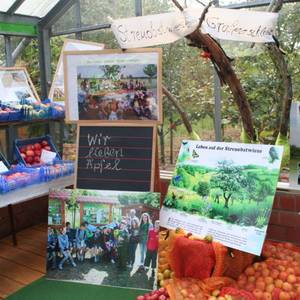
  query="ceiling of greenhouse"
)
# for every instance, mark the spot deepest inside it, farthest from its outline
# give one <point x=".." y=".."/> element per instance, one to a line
<point x="35" y="8"/>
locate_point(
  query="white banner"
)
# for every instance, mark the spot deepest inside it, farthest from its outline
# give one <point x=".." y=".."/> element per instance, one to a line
<point x="236" y="25"/>
<point x="228" y="24"/>
<point x="150" y="30"/>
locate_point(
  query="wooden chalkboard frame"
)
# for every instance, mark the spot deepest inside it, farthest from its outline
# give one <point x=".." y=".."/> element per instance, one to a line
<point x="154" y="145"/>
<point x="115" y="51"/>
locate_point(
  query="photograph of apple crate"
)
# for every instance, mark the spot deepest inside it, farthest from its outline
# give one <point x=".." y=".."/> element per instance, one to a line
<point x="28" y="152"/>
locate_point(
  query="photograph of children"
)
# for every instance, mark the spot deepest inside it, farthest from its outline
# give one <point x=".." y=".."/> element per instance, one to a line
<point x="112" y="85"/>
<point x="103" y="237"/>
<point x="117" y="92"/>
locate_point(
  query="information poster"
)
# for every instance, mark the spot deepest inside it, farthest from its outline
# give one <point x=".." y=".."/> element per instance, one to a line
<point x="225" y="190"/>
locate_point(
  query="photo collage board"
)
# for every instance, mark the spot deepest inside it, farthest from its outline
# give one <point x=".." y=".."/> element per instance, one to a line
<point x="105" y="231"/>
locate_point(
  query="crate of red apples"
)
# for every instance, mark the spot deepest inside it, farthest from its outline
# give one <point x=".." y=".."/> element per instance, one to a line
<point x="29" y="151"/>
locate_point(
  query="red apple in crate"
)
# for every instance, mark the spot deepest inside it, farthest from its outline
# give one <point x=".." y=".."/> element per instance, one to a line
<point x="29" y="159"/>
<point x="23" y="149"/>
<point x="44" y="143"/>
<point x="37" y="146"/>
<point x="23" y="155"/>
<point x="29" y="153"/>
<point x="29" y="147"/>
<point x="48" y="148"/>
<point x="37" y="159"/>
<point x="37" y="153"/>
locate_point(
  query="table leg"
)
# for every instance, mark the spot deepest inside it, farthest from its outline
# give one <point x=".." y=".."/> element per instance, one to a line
<point x="12" y="224"/>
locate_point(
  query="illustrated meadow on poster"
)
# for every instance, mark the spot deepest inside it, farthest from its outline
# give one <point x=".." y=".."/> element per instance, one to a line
<point x="225" y="190"/>
<point x="103" y="237"/>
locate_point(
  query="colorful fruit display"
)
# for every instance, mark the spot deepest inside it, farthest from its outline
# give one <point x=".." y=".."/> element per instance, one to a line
<point x="31" y="111"/>
<point x="32" y="153"/>
<point x="272" y="279"/>
<point x="226" y="274"/>
<point x="283" y="251"/>
<point x="206" y="257"/>
<point x="191" y="288"/>
<point x="160" y="294"/>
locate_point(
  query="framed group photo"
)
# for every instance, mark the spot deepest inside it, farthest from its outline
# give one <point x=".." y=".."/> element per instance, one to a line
<point x="113" y="85"/>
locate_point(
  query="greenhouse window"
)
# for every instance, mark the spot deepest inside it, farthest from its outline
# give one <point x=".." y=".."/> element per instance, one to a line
<point x="37" y="8"/>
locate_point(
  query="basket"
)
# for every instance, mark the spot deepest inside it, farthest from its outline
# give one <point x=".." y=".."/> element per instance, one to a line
<point x="19" y="177"/>
<point x="21" y="143"/>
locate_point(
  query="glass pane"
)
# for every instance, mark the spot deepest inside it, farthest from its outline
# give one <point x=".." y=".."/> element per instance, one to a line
<point x="6" y="4"/>
<point x="101" y="11"/>
<point x="38" y="8"/>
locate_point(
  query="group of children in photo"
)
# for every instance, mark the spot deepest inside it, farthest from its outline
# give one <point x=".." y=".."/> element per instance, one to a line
<point x="138" y="100"/>
<point x="114" y="243"/>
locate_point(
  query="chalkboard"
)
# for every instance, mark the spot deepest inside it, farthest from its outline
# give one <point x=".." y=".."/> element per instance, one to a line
<point x="115" y="157"/>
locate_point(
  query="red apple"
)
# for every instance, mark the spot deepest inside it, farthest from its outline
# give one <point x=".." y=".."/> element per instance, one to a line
<point x="37" y="152"/>
<point x="23" y="149"/>
<point x="37" y="159"/>
<point x="29" y="153"/>
<point x="29" y="159"/>
<point x="44" y="143"/>
<point x="29" y="147"/>
<point x="48" y="148"/>
<point x="37" y="146"/>
<point x="23" y="155"/>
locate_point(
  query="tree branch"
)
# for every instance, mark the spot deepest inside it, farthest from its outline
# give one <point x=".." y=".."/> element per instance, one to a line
<point x="180" y="110"/>
<point x="226" y="74"/>
<point x="205" y="11"/>
<point x="176" y="3"/>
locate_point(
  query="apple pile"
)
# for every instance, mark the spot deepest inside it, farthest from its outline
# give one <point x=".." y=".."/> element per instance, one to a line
<point x="4" y="110"/>
<point x="17" y="176"/>
<point x="272" y="279"/>
<point x="160" y="294"/>
<point x="283" y="251"/>
<point x="231" y="293"/>
<point x="32" y="153"/>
